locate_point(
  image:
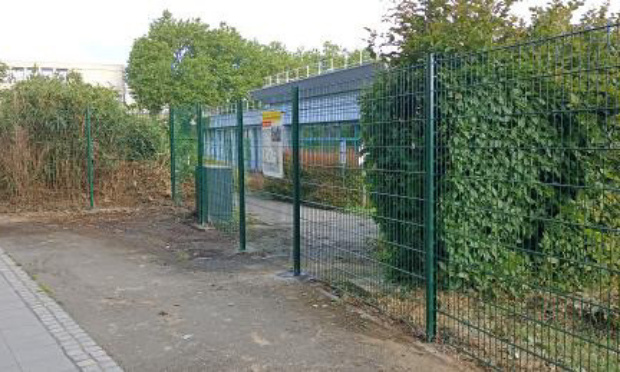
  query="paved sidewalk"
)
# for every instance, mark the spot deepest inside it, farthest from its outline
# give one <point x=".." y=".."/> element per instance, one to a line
<point x="36" y="335"/>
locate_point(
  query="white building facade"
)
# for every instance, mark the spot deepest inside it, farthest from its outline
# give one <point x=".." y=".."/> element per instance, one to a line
<point x="105" y="75"/>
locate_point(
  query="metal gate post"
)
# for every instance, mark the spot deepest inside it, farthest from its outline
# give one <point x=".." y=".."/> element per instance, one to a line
<point x="241" y="177"/>
<point x="429" y="206"/>
<point x="296" y="186"/>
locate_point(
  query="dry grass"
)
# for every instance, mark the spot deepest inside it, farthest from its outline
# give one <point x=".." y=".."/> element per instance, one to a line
<point x="255" y="181"/>
<point x="130" y="183"/>
<point x="517" y="335"/>
<point x="33" y="178"/>
<point x="28" y="180"/>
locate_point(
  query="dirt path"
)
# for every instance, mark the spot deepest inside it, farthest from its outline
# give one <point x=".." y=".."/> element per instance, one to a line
<point x="159" y="295"/>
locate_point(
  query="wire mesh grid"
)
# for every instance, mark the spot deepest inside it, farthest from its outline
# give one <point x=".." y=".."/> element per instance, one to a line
<point x="129" y="155"/>
<point x="474" y="196"/>
<point x="528" y="165"/>
<point x="184" y="154"/>
<point x="362" y="176"/>
<point x="269" y="176"/>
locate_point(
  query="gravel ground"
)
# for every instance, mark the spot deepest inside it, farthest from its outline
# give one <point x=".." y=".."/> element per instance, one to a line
<point x="160" y="295"/>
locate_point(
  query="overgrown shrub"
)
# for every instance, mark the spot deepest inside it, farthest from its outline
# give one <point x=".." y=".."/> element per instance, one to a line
<point x="43" y="132"/>
<point x="526" y="172"/>
<point x="392" y="136"/>
<point x="502" y="173"/>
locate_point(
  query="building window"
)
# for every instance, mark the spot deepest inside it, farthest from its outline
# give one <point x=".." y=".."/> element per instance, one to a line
<point x="29" y="72"/>
<point x="17" y="74"/>
<point x="61" y="73"/>
<point x="47" y="71"/>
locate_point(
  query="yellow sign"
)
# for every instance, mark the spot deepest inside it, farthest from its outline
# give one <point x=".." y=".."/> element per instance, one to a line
<point x="272" y="160"/>
<point x="272" y="119"/>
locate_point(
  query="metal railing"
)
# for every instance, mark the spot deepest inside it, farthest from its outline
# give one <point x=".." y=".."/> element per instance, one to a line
<point x="321" y="67"/>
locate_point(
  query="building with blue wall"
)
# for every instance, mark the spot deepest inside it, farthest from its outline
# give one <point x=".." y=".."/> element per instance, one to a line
<point x="329" y="113"/>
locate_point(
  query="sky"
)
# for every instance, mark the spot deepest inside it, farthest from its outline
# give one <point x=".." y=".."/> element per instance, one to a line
<point x="103" y="31"/>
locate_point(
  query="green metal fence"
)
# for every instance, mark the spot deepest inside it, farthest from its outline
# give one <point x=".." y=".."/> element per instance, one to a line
<point x="184" y="123"/>
<point x="126" y="158"/>
<point x="77" y="158"/>
<point x="528" y="190"/>
<point x="474" y="196"/>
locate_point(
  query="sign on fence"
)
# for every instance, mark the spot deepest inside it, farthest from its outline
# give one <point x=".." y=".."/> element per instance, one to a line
<point x="272" y="144"/>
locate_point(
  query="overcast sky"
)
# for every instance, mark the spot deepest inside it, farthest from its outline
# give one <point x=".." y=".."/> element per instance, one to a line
<point x="103" y="30"/>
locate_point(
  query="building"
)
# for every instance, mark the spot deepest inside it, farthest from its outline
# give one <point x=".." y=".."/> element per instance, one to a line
<point x="105" y="75"/>
<point x="329" y="116"/>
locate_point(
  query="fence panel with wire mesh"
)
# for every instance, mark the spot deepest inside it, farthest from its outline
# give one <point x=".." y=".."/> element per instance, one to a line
<point x="127" y="158"/>
<point x="269" y="172"/>
<point x="474" y="196"/>
<point x="362" y="176"/>
<point x="220" y="185"/>
<point x="528" y="212"/>
<point x="264" y="181"/>
<point x="183" y="130"/>
<point x="81" y="157"/>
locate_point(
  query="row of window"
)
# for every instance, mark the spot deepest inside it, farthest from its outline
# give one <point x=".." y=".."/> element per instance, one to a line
<point x="16" y="74"/>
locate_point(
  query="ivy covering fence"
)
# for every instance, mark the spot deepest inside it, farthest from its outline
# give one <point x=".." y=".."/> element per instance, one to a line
<point x="525" y="170"/>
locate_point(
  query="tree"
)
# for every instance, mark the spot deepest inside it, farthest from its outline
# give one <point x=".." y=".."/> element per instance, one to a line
<point x="482" y="98"/>
<point x="194" y="79"/>
<point x="417" y="27"/>
<point x="219" y="65"/>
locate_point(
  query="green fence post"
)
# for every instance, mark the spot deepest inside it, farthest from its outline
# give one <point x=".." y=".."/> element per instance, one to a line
<point x="429" y="206"/>
<point x="296" y="186"/>
<point x="173" y="171"/>
<point x="201" y="194"/>
<point x="200" y="135"/>
<point x="204" y="174"/>
<point x="241" y="170"/>
<point x="90" y="171"/>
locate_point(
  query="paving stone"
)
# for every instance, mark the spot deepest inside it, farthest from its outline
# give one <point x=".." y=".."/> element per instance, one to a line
<point x="38" y="335"/>
<point x="12" y="315"/>
<point x="33" y="342"/>
<point x="6" y="356"/>
<point x="35" y="354"/>
<point x="92" y="369"/>
<point x="106" y="362"/>
<point x="10" y="368"/>
<point x="49" y="365"/>
<point x="29" y="329"/>
<point x="113" y="369"/>
<point x="87" y="363"/>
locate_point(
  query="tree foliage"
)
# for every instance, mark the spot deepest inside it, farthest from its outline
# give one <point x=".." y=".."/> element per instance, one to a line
<point x="219" y="65"/>
<point x="417" y="27"/>
<point x="515" y="171"/>
<point x="526" y="192"/>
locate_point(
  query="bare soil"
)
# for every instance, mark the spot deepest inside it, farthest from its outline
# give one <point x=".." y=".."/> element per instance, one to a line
<point x="161" y="295"/>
